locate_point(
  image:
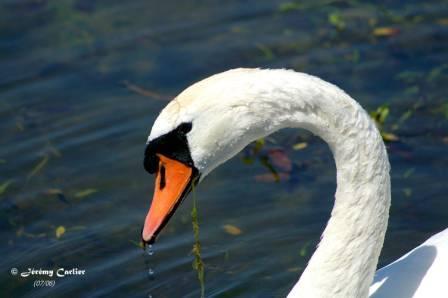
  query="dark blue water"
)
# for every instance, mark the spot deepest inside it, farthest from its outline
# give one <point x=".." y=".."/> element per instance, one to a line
<point x="81" y="83"/>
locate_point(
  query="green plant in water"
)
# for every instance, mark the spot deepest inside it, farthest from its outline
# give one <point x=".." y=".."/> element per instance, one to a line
<point x="39" y="166"/>
<point x="443" y="109"/>
<point x="256" y="147"/>
<point x="259" y="144"/>
<point x="267" y="53"/>
<point x="255" y="150"/>
<point x="289" y="6"/>
<point x="198" y="264"/>
<point x="336" y="20"/>
<point x="4" y="186"/>
<point x="380" y="116"/>
<point x="304" y="250"/>
<point x="265" y="162"/>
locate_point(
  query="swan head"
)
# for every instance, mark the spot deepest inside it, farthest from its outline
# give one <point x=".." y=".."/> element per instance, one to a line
<point x="204" y="126"/>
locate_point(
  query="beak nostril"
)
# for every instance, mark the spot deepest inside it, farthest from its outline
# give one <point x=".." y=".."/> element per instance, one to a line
<point x="162" y="177"/>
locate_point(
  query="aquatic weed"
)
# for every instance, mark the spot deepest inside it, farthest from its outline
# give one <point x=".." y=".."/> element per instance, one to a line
<point x="198" y="264"/>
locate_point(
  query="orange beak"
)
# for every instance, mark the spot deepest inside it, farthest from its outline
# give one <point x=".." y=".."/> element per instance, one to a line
<point x="173" y="181"/>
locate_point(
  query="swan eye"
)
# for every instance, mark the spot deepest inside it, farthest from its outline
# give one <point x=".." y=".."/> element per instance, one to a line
<point x="185" y="127"/>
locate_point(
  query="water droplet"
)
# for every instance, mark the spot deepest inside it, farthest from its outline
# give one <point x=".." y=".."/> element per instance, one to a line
<point x="149" y="250"/>
<point x="151" y="274"/>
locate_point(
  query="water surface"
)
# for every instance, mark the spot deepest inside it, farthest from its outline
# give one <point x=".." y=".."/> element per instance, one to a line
<point x="81" y="83"/>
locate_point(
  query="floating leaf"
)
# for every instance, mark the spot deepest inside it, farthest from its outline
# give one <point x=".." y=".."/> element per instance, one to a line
<point x="300" y="146"/>
<point x="85" y="193"/>
<point x="389" y="137"/>
<point x="4" y="186"/>
<point x="232" y="230"/>
<point x="60" y="231"/>
<point x="39" y="166"/>
<point x="280" y="159"/>
<point x="385" y="31"/>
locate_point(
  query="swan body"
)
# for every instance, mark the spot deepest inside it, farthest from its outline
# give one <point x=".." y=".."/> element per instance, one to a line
<point x="214" y="119"/>
<point x="421" y="273"/>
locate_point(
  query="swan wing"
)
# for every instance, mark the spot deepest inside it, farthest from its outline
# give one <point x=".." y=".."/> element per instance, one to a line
<point x="421" y="273"/>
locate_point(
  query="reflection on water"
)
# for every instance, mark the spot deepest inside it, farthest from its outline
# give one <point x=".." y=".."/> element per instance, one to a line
<point x="82" y="81"/>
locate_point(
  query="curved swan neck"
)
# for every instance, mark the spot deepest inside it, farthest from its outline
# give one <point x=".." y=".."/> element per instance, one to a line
<point x="232" y="109"/>
<point x="346" y="258"/>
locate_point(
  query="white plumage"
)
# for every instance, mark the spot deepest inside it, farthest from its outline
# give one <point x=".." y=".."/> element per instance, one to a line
<point x="421" y="273"/>
<point x="231" y="109"/>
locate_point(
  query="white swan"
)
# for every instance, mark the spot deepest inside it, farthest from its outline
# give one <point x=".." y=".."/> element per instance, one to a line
<point x="214" y="119"/>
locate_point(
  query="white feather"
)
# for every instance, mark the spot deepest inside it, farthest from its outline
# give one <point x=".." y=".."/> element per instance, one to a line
<point x="231" y="109"/>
